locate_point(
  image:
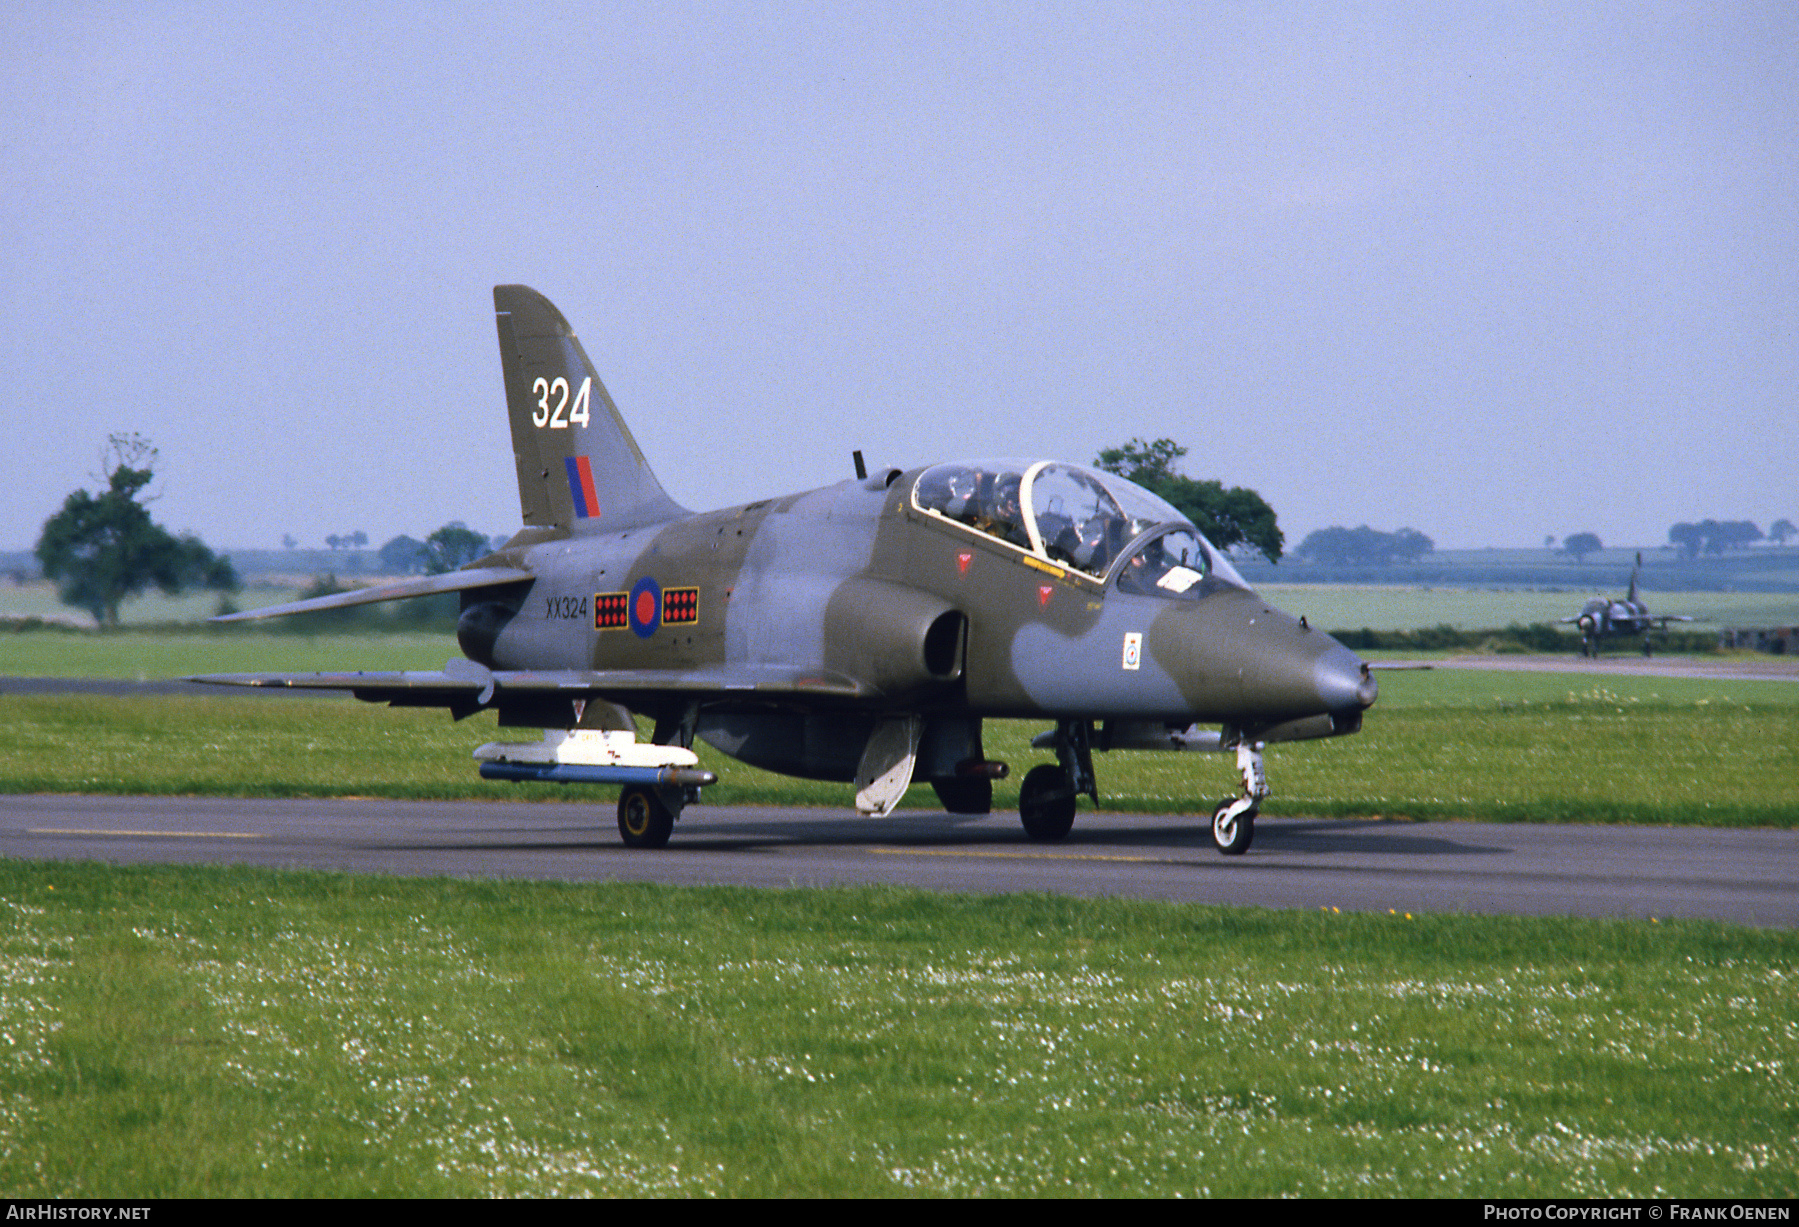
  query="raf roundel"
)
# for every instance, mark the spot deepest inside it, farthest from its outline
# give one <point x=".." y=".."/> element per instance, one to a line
<point x="646" y="607"/>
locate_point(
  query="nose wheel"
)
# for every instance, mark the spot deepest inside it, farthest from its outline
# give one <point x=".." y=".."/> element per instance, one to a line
<point x="1234" y="826"/>
<point x="1234" y="821"/>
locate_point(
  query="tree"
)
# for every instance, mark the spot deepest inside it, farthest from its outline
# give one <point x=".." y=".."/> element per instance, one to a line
<point x="1732" y="535"/>
<point x="1581" y="544"/>
<point x="1780" y="530"/>
<point x="1409" y="545"/>
<point x="103" y="548"/>
<point x="1713" y="537"/>
<point x="452" y="546"/>
<point x="403" y="556"/>
<point x="1688" y="538"/>
<point x="1227" y="516"/>
<point x="1364" y="546"/>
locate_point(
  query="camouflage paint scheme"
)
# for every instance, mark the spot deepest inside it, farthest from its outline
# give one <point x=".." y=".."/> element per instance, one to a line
<point x="786" y="632"/>
<point x="1600" y="618"/>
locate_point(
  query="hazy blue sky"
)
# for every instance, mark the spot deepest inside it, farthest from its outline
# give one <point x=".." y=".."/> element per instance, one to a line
<point x="1493" y="272"/>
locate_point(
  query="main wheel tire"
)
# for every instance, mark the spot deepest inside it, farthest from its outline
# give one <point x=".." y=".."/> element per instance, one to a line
<point x="1233" y="835"/>
<point x="1046" y="803"/>
<point x="643" y="820"/>
<point x="964" y="794"/>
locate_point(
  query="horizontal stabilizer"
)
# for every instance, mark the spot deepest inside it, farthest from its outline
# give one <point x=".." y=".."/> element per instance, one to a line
<point x="429" y="585"/>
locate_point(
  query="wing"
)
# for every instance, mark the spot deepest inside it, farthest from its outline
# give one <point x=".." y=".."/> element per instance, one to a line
<point x="453" y="581"/>
<point x="466" y="687"/>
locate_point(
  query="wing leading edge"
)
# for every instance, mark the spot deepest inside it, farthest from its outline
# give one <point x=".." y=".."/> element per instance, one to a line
<point x="466" y="687"/>
<point x="452" y="581"/>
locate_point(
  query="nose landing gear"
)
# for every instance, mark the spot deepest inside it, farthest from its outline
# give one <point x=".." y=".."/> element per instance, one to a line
<point x="1234" y="821"/>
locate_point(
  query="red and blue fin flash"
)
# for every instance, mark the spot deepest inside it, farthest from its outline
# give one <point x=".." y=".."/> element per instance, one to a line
<point x="580" y="487"/>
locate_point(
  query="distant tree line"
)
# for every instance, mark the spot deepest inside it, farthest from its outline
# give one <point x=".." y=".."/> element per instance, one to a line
<point x="1364" y="546"/>
<point x="1716" y="536"/>
<point x="452" y="546"/>
<point x="1537" y="637"/>
<point x="104" y="548"/>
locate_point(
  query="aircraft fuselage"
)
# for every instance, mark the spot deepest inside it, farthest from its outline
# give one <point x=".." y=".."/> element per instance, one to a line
<point x="854" y="580"/>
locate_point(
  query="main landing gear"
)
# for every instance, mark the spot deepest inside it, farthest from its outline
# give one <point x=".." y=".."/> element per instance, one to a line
<point x="645" y="820"/>
<point x="647" y="812"/>
<point x="1046" y="800"/>
<point x="1046" y="803"/>
<point x="1047" y="795"/>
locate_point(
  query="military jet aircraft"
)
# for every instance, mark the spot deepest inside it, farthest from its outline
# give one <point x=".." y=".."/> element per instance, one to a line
<point x="1600" y="618"/>
<point x="859" y="632"/>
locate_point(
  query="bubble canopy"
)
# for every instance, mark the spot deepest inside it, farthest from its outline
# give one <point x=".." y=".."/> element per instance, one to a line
<point x="1072" y="516"/>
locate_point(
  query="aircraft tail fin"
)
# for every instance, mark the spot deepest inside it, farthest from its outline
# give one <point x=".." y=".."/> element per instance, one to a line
<point x="577" y="462"/>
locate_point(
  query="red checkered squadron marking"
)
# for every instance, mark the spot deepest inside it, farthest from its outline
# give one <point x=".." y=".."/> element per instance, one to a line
<point x="680" y="606"/>
<point x="611" y="611"/>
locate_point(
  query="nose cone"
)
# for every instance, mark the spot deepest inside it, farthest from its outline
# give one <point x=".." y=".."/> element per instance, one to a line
<point x="1289" y="671"/>
<point x="1343" y="681"/>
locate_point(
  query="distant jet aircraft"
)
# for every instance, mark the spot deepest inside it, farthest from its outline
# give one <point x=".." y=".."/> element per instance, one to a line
<point x="1599" y="618"/>
<point x="860" y="632"/>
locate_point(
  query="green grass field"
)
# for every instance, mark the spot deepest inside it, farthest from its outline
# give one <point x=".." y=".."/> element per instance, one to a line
<point x="145" y="655"/>
<point x="181" y="1032"/>
<point x="174" y="1031"/>
<point x="38" y="599"/>
<point x="1440" y="744"/>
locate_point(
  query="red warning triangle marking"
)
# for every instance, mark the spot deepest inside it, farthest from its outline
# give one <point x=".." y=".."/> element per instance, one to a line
<point x="1043" y="591"/>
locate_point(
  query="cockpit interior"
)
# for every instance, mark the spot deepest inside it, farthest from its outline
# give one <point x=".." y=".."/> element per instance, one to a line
<point x="1096" y="524"/>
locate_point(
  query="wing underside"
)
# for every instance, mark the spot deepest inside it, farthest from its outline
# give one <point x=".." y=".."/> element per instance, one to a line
<point x="466" y="687"/>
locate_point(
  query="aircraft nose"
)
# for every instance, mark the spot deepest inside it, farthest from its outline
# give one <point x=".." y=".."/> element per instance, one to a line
<point x="1344" y="681"/>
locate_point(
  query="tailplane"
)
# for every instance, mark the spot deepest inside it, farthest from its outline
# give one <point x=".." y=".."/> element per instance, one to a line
<point x="577" y="462"/>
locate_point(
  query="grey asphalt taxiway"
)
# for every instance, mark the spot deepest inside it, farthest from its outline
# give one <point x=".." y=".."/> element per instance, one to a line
<point x="1742" y="876"/>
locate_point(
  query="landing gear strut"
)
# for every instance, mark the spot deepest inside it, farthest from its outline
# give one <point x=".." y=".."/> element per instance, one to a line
<point x="1046" y="798"/>
<point x="646" y="815"/>
<point x="1234" y="821"/>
